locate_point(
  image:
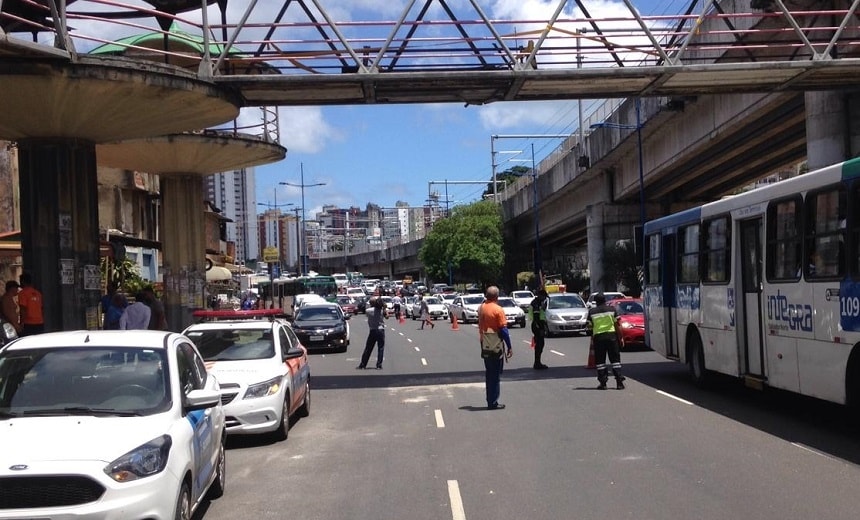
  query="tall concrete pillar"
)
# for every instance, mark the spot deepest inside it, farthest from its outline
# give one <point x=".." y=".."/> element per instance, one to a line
<point x="827" y="131"/>
<point x="596" y="245"/>
<point x="60" y="245"/>
<point x="183" y="245"/>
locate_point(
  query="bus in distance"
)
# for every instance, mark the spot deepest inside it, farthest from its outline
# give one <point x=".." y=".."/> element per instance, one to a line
<point x="763" y="286"/>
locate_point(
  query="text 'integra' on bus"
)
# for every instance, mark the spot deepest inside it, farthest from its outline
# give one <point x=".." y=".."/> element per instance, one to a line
<point x="763" y="285"/>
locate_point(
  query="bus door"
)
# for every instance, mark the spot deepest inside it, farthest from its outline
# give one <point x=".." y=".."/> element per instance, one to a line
<point x="670" y="302"/>
<point x="751" y="342"/>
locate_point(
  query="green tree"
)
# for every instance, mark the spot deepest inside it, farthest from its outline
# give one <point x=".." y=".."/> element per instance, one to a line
<point x="470" y="241"/>
<point x="506" y="178"/>
<point x="621" y="265"/>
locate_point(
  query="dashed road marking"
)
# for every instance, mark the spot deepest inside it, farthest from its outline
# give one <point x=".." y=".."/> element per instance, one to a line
<point x="670" y="396"/>
<point x="423" y="361"/>
<point x="457" y="511"/>
<point x="440" y="423"/>
<point x="557" y="353"/>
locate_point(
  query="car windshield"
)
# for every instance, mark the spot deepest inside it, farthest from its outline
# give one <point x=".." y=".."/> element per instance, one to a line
<point x="433" y="301"/>
<point x="507" y="302"/>
<point x="344" y="301"/>
<point x="473" y="300"/>
<point x="522" y="294"/>
<point x="317" y="314"/>
<point x="233" y="344"/>
<point x="567" y="301"/>
<point x="630" y="308"/>
<point x="84" y="381"/>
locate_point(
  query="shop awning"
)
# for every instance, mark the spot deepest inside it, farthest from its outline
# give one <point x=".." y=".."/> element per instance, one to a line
<point x="218" y="274"/>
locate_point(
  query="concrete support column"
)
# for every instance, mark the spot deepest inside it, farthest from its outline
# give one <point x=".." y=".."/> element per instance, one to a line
<point x="596" y="245"/>
<point x="183" y="244"/>
<point x="60" y="229"/>
<point x="827" y="132"/>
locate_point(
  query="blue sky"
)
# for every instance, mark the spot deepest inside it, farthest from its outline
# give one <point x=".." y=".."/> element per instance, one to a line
<point x="385" y="153"/>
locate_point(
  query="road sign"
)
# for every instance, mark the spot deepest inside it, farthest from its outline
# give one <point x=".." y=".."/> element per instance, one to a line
<point x="270" y="254"/>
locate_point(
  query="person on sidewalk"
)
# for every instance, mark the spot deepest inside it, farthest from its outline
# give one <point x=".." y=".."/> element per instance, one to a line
<point x="30" y="305"/>
<point x="601" y="325"/>
<point x="10" y="305"/>
<point x="376" y="317"/>
<point x="137" y="315"/>
<point x="492" y="321"/>
<point x="539" y="326"/>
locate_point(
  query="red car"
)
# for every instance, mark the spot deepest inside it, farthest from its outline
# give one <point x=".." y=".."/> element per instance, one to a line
<point x="348" y="305"/>
<point x="631" y="321"/>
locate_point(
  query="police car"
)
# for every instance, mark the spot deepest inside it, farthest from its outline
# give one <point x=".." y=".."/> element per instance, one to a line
<point x="261" y="366"/>
<point x="109" y="425"/>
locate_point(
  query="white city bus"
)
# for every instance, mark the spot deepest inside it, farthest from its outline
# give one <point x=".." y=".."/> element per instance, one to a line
<point x="763" y="286"/>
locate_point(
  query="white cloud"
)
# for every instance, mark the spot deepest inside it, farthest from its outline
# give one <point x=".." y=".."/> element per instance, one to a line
<point x="305" y="130"/>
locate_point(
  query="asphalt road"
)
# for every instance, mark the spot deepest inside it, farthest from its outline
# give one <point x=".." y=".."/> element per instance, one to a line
<point x="414" y="441"/>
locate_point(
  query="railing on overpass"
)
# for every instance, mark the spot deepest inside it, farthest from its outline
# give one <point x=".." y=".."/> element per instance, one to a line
<point x="728" y="47"/>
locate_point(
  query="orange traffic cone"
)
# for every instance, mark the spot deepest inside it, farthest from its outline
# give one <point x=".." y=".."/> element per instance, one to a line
<point x="454" y="324"/>
<point x="590" y="363"/>
<point x="402" y="319"/>
<point x="532" y="344"/>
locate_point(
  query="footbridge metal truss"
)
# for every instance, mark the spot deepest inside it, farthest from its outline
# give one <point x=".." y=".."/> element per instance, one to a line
<point x="294" y="52"/>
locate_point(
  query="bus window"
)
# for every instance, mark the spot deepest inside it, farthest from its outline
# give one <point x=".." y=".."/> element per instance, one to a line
<point x="826" y="211"/>
<point x="688" y="269"/>
<point x="652" y="262"/>
<point x="717" y="250"/>
<point x="783" y="240"/>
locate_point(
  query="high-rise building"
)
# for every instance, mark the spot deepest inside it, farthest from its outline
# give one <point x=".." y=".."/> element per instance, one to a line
<point x="235" y="193"/>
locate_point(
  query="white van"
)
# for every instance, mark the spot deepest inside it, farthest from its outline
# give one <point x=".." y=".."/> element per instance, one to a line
<point x="340" y="279"/>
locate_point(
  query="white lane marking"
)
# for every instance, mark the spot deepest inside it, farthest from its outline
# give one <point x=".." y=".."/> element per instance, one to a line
<point x="557" y="353"/>
<point x="457" y="511"/>
<point x="409" y="340"/>
<point x="402" y="334"/>
<point x="423" y="361"/>
<point x="807" y="448"/>
<point x="527" y="342"/>
<point x="440" y="422"/>
<point x="674" y="397"/>
<point x="417" y="349"/>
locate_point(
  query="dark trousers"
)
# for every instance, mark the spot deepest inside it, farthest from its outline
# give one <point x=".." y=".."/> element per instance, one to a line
<point x="539" y="333"/>
<point x="30" y="330"/>
<point x="607" y="344"/>
<point x="374" y="337"/>
<point x="494" y="368"/>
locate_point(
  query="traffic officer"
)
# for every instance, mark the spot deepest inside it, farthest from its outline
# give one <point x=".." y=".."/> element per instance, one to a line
<point x="538" y="313"/>
<point x="601" y="327"/>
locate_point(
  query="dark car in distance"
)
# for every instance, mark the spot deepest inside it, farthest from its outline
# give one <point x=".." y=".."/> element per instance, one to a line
<point x="322" y="326"/>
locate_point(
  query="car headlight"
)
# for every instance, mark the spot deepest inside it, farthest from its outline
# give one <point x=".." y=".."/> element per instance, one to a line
<point x="143" y="461"/>
<point x="554" y="317"/>
<point x="263" y="389"/>
<point x="626" y="325"/>
<point x="340" y="329"/>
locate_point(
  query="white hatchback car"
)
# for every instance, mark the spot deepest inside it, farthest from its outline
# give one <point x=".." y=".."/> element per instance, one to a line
<point x="261" y="366"/>
<point x="109" y="425"/>
<point x="465" y="307"/>
<point x="523" y="298"/>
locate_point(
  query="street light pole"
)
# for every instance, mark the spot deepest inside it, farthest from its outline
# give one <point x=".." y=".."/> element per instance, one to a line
<point x="304" y="259"/>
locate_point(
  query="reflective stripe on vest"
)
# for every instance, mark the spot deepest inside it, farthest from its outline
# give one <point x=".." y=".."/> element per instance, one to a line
<point x="603" y="322"/>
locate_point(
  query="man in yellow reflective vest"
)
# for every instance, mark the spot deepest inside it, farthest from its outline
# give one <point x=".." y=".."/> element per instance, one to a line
<point x="601" y="327"/>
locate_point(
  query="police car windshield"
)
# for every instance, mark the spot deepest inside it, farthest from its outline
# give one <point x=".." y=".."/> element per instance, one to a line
<point x="565" y="301"/>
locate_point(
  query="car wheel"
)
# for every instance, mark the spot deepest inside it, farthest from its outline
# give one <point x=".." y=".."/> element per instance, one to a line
<point x="183" y="503"/>
<point x="216" y="490"/>
<point x="305" y="409"/>
<point x="283" y="430"/>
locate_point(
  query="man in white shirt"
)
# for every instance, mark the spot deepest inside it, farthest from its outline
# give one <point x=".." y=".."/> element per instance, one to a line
<point x="136" y="315"/>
